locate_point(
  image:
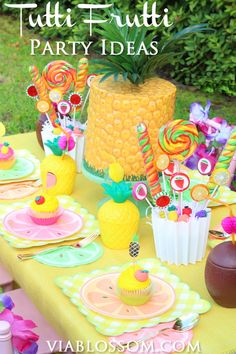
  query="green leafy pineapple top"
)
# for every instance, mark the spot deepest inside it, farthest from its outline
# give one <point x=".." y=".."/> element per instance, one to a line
<point x="118" y="190"/>
<point x="140" y="66"/>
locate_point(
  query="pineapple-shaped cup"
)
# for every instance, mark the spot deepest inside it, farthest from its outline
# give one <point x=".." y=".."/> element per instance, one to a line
<point x="58" y="171"/>
<point x="118" y="217"/>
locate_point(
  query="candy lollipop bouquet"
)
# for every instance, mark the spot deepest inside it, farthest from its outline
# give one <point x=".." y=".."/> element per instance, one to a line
<point x="180" y="227"/>
<point x="60" y="93"/>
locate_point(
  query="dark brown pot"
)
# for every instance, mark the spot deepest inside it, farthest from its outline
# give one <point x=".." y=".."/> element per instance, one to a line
<point x="42" y="118"/>
<point x="220" y="274"/>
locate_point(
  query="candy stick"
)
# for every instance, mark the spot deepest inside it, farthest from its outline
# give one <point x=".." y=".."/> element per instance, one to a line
<point x="148" y="158"/>
<point x="198" y="193"/>
<point x="81" y="80"/>
<point x="84" y="104"/>
<point x="53" y="115"/>
<point x="74" y="112"/>
<point x="140" y="192"/>
<point x="75" y="100"/>
<point x="38" y="83"/>
<point x="179" y="183"/>
<point x="220" y="177"/>
<point x="89" y="80"/>
<point x="180" y="202"/>
<point x="226" y="155"/>
<point x="162" y="164"/>
<point x="232" y="168"/>
<point x="42" y="93"/>
<point x="81" y="75"/>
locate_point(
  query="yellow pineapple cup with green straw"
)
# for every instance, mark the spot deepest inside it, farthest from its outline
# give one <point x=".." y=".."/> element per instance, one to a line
<point x="58" y="170"/>
<point x="118" y="217"/>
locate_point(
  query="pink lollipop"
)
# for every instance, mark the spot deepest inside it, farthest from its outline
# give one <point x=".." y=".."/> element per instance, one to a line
<point x="139" y="191"/>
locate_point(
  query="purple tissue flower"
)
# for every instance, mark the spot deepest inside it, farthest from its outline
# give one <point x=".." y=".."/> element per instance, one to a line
<point x="7" y="302"/>
<point x="33" y="349"/>
<point x="198" y="114"/>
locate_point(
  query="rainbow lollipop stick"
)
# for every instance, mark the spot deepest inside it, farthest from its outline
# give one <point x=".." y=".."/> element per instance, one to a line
<point x="226" y="156"/>
<point x="148" y="158"/>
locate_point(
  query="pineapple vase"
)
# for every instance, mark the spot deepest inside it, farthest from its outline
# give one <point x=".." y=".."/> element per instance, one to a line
<point x="118" y="217"/>
<point x="58" y="171"/>
<point x="115" y="109"/>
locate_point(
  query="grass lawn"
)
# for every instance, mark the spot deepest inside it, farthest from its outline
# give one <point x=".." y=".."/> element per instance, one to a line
<point x="17" y="111"/>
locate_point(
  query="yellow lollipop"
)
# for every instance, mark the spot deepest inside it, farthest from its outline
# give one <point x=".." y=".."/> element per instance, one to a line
<point x="162" y="162"/>
<point x="43" y="106"/>
<point x="2" y="129"/>
<point x="220" y="176"/>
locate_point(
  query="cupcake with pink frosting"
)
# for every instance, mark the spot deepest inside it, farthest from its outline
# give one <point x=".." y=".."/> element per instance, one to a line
<point x="7" y="156"/>
<point x="134" y="286"/>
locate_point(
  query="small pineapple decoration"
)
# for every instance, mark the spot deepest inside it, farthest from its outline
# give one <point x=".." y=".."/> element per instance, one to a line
<point x="134" y="247"/>
<point x="118" y="217"/>
<point x="58" y="170"/>
<point x="5" y="148"/>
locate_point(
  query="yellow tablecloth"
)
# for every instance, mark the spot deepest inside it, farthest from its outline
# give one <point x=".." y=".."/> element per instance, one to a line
<point x="216" y="331"/>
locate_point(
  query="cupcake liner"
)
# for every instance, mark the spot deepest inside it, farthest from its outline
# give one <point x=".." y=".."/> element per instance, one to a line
<point x="49" y="220"/>
<point x="135" y="297"/>
<point x="138" y="292"/>
<point x="7" y="164"/>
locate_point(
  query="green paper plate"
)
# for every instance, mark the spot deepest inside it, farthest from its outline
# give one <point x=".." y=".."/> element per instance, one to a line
<point x="67" y="256"/>
<point x="20" y="169"/>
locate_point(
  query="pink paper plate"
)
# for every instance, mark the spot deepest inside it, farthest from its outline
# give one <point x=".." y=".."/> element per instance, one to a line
<point x="168" y="341"/>
<point x="20" y="224"/>
<point x="99" y="295"/>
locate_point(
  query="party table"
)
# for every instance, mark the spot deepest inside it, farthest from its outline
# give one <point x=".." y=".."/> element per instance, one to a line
<point x="216" y="330"/>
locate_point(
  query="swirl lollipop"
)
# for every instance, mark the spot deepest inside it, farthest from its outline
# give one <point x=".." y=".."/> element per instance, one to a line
<point x="59" y="75"/>
<point x="178" y="139"/>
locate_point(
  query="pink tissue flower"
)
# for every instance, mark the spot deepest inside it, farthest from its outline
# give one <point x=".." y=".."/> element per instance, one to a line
<point x="22" y="336"/>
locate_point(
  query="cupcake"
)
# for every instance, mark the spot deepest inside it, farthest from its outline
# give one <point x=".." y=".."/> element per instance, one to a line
<point x="45" y="210"/>
<point x="7" y="156"/>
<point x="134" y="286"/>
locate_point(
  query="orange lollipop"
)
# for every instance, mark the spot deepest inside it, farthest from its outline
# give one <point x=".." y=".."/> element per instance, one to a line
<point x="59" y="75"/>
<point x="199" y="192"/>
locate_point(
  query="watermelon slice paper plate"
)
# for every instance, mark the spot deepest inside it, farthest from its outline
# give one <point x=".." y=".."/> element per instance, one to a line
<point x="99" y="294"/>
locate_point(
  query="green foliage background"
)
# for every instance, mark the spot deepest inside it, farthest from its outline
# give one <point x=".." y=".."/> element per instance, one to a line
<point x="208" y="61"/>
